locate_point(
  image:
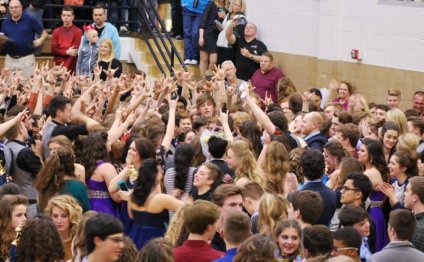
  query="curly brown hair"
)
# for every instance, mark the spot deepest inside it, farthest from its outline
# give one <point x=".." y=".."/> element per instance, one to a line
<point x="50" y="179"/>
<point x="39" y="241"/>
<point x="7" y="205"/>
<point x="93" y="150"/>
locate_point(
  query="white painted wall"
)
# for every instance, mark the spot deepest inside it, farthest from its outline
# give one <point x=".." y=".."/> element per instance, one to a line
<point x="390" y="35"/>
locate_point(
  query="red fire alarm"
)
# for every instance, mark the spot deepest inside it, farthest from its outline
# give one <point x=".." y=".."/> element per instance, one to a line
<point x="355" y="54"/>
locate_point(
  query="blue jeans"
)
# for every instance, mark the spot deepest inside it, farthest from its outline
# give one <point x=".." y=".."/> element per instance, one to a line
<point x="191" y="24"/>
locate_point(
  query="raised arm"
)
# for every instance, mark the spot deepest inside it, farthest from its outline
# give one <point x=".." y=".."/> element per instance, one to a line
<point x="260" y="115"/>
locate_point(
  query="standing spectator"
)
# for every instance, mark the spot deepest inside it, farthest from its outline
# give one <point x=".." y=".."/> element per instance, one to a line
<point x="401" y="228"/>
<point x="3" y="10"/>
<point x="66" y="40"/>
<point x="266" y="78"/>
<point x="311" y="126"/>
<point x="347" y="241"/>
<point x="318" y="242"/>
<point x="87" y="56"/>
<point x="177" y="19"/>
<point x="192" y="17"/>
<point x="107" y="60"/>
<point x="248" y="49"/>
<point x="414" y="200"/>
<point x="21" y="44"/>
<point x="104" y="30"/>
<point x="208" y="34"/>
<point x="393" y="98"/>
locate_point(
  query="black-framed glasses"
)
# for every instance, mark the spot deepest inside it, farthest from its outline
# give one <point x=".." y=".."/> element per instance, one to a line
<point x="346" y="188"/>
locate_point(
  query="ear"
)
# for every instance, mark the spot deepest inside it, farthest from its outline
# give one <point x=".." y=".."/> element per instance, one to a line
<point x="297" y="214"/>
<point x="221" y="233"/>
<point x="209" y="182"/>
<point x="97" y="241"/>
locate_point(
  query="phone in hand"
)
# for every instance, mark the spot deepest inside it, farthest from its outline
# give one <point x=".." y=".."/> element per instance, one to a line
<point x="122" y="185"/>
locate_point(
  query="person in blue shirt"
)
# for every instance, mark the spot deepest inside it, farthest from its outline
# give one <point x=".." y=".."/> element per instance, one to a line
<point x="236" y="230"/>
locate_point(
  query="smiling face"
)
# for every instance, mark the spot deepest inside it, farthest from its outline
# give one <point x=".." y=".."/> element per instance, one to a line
<point x="418" y="103"/>
<point x="343" y="91"/>
<point x="185" y="124"/>
<point x="60" y="219"/>
<point x="236" y="6"/>
<point x="265" y="64"/>
<point x="363" y="227"/>
<point x="18" y="216"/>
<point x="363" y="155"/>
<point x="390" y="138"/>
<point x="104" y="49"/>
<point x="201" y="178"/>
<point x="232" y="160"/>
<point x="394" y="167"/>
<point x="330" y="160"/>
<point x="289" y="241"/>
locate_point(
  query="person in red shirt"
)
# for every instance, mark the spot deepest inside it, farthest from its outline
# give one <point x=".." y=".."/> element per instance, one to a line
<point x="200" y="220"/>
<point x="265" y="80"/>
<point x="66" y="40"/>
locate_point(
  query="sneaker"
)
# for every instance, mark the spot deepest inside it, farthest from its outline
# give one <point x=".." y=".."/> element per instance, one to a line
<point x="194" y="62"/>
<point x="178" y="37"/>
<point x="187" y="62"/>
<point x="123" y="29"/>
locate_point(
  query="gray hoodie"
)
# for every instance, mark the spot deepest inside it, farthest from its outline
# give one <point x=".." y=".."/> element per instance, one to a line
<point x="87" y="58"/>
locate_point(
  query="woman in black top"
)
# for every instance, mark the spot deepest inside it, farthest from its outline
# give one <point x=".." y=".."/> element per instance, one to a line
<point x="106" y="59"/>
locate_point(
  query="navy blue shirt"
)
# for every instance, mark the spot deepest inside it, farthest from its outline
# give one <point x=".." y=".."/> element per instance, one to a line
<point x="21" y="33"/>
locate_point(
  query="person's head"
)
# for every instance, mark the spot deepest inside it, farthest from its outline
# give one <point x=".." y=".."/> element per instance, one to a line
<point x="307" y="206"/>
<point x="58" y="142"/>
<point x="371" y="153"/>
<point x="317" y="241"/>
<point x="106" y="51"/>
<point x="403" y="163"/>
<point x="78" y="246"/>
<point x="182" y="105"/>
<point x="250" y="30"/>
<point x="156" y="250"/>
<point x="312" y="122"/>
<point x="398" y="117"/>
<point x="104" y="235"/>
<point x="416" y="126"/>
<point x="99" y="15"/>
<point x="408" y="142"/>
<point x="27" y="120"/>
<point x="141" y="149"/>
<point x="345" y="89"/>
<point x="206" y="105"/>
<point x="272" y="207"/>
<point x="279" y="120"/>
<point x="417" y="101"/>
<point x="9" y="189"/>
<point x="17" y="132"/>
<point x="129" y="253"/>
<point x="356" y="189"/>
<point x="149" y="178"/>
<point x="390" y="133"/>
<point x="12" y="212"/>
<point x="217" y="146"/>
<point x="15" y="9"/>
<point x="67" y="16"/>
<point x="256" y="248"/>
<point x="276" y="165"/>
<point x="228" y="197"/>
<point x="92" y="36"/>
<point x="288" y="235"/>
<point x="312" y="164"/>
<point x="60" y="109"/>
<point x="229" y="68"/>
<point x="201" y="218"/>
<point x="347" y="241"/>
<point x="207" y="176"/>
<point x="251" y="196"/>
<point x="39" y="241"/>
<point x="266" y="62"/>
<point x="357" y="103"/>
<point x="237" y="6"/>
<point x="401" y="226"/>
<point x="185" y="124"/>
<point x="316" y="96"/>
<point x="340" y="118"/>
<point x="348" y="135"/>
<point x="236" y="228"/>
<point x="380" y="112"/>
<point x="333" y="154"/>
<point x="331" y="108"/>
<point x="241" y="158"/>
<point x="414" y="193"/>
<point x="66" y="213"/>
<point x="183" y="157"/>
<point x="357" y="217"/>
<point x="393" y="98"/>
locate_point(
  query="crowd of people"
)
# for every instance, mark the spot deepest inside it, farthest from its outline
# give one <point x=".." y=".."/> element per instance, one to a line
<point x="98" y="164"/>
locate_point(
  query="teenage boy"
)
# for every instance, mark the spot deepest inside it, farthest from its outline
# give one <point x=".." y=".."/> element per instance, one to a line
<point x="200" y="220"/>
<point x="307" y="207"/>
<point x="251" y="198"/>
<point x="347" y="241"/>
<point x="414" y="200"/>
<point x="236" y="230"/>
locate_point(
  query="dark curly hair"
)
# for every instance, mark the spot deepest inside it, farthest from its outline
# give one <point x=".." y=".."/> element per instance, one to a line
<point x="376" y="155"/>
<point x="50" y="180"/>
<point x="39" y="241"/>
<point x="183" y="158"/>
<point x="145" y="182"/>
<point x="312" y="163"/>
<point x="94" y="150"/>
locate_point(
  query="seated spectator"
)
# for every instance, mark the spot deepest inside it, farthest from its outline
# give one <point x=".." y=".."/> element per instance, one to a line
<point x="236" y="230"/>
<point x="200" y="220"/>
<point x="401" y="228"/>
<point x="317" y="242"/>
<point x="347" y="241"/>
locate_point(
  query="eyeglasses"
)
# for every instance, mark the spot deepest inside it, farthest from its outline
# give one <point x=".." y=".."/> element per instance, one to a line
<point x="345" y="188"/>
<point x="117" y="240"/>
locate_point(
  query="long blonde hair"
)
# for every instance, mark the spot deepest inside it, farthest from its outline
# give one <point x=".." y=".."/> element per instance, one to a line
<point x="398" y="117"/>
<point x="111" y="55"/>
<point x="71" y="206"/>
<point x="272" y="208"/>
<point x="275" y="167"/>
<point x="247" y="162"/>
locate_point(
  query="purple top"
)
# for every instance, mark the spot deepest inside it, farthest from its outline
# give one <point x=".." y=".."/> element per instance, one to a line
<point x="267" y="82"/>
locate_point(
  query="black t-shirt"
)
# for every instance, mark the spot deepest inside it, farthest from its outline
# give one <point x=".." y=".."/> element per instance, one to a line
<point x="99" y="30"/>
<point x="246" y="66"/>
